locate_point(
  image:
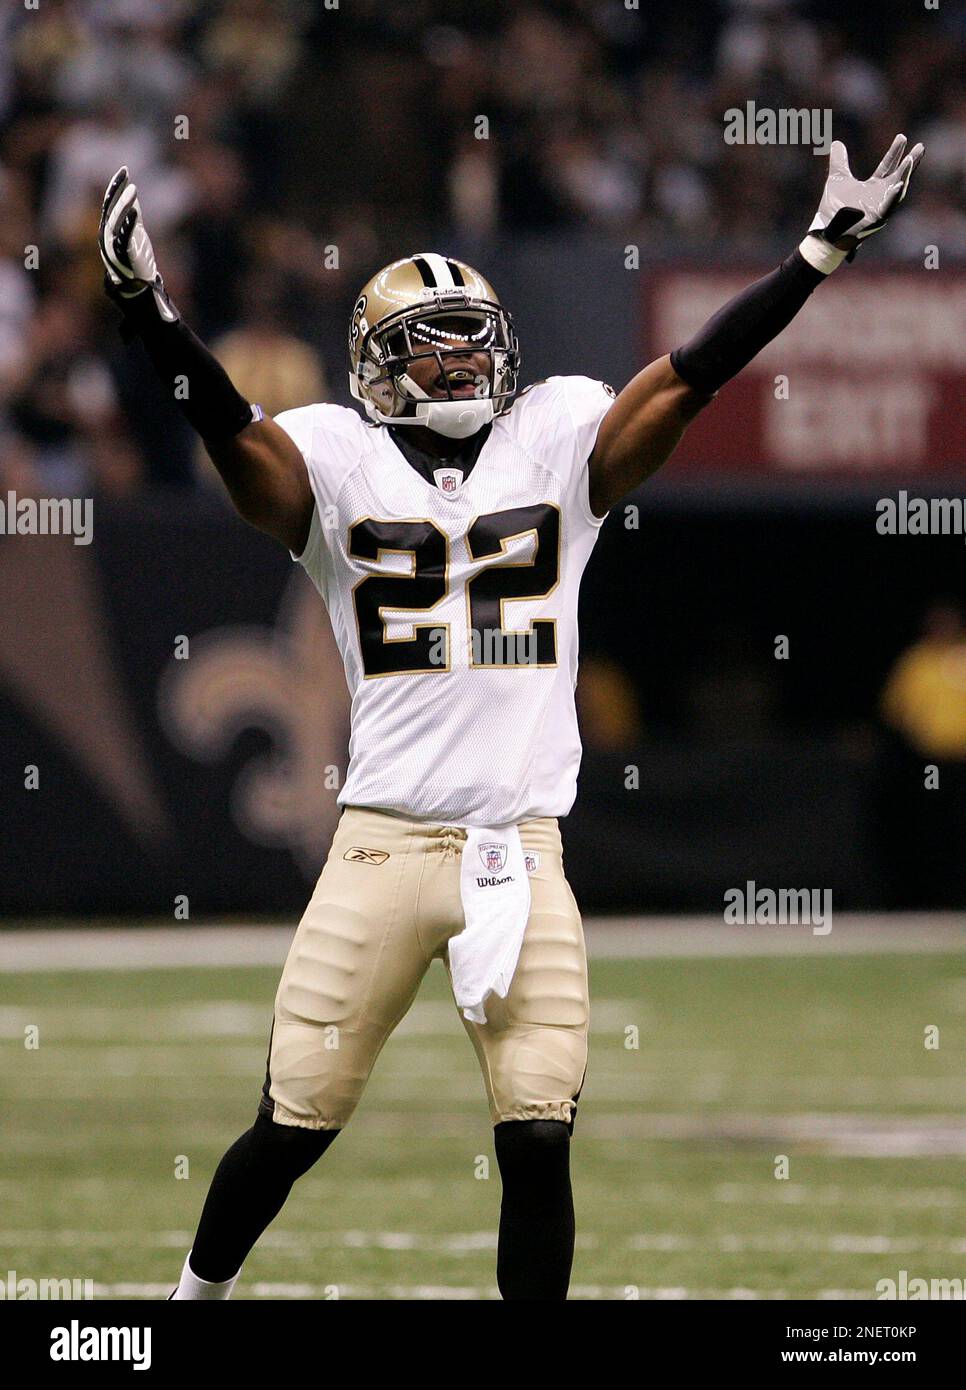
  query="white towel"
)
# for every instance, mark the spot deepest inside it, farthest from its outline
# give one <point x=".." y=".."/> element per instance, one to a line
<point x="495" y="894"/>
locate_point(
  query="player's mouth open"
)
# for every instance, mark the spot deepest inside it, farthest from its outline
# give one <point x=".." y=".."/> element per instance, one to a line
<point x="461" y="381"/>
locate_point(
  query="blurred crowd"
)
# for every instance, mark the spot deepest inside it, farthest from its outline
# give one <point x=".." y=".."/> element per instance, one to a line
<point x="284" y="148"/>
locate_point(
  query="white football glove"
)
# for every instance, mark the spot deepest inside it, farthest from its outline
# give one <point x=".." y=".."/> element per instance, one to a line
<point x="852" y="209"/>
<point x="126" y="248"/>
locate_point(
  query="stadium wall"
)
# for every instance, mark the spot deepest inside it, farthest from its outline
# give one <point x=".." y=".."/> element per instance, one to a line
<point x="173" y="710"/>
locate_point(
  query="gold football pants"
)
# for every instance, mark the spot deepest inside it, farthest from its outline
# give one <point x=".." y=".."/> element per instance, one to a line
<point x="386" y="904"/>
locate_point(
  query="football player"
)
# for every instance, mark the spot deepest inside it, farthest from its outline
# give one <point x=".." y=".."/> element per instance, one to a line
<point x="446" y="530"/>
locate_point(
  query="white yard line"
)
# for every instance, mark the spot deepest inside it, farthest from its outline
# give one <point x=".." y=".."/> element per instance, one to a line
<point x="798" y="1194"/>
<point x="476" y="1292"/>
<point x="844" y="1135"/>
<point x="230" y="1019"/>
<point x="462" y="1243"/>
<point x="170" y="947"/>
<point x="779" y="1194"/>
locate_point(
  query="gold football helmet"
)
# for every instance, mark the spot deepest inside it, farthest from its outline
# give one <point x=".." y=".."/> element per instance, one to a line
<point x="428" y="305"/>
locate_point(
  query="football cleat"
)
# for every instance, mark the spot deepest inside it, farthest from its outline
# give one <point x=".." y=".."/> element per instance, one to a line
<point x="431" y="306"/>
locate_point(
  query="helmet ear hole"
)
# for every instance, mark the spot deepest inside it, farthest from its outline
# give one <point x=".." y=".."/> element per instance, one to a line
<point x="385" y="396"/>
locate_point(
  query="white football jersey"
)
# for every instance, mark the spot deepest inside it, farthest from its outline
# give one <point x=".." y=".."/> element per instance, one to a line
<point x="454" y="605"/>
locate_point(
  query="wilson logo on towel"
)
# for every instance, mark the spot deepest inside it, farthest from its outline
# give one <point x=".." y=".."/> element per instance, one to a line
<point x="357" y="855"/>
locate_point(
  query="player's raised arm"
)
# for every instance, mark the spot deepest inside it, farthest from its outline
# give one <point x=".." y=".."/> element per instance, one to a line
<point x="260" y="464"/>
<point x="648" y="418"/>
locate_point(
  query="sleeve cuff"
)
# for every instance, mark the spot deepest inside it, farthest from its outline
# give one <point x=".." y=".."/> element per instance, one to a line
<point x="821" y="254"/>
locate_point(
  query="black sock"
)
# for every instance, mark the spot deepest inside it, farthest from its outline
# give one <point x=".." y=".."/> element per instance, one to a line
<point x="249" y="1190"/>
<point x="536" y="1247"/>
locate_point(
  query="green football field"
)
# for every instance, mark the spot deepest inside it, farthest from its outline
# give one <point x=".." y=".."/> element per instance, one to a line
<point x="140" y="1076"/>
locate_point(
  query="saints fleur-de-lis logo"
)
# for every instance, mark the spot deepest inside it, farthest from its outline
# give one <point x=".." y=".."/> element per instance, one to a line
<point x="287" y="681"/>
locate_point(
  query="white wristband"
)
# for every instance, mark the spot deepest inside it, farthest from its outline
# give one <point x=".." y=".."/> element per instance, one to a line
<point x="821" y="254"/>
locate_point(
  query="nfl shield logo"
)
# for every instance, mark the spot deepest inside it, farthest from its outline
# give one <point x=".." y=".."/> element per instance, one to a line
<point x="448" y="479"/>
<point x="493" y="856"/>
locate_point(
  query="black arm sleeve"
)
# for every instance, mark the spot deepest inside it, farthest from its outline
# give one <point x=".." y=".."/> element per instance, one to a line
<point x="739" y="331"/>
<point x="196" y="382"/>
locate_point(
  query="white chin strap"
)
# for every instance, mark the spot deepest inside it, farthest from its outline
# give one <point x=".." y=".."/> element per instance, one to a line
<point x="454" y="419"/>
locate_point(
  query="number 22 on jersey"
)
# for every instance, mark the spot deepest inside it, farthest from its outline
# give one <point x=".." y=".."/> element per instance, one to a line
<point x="427" y="585"/>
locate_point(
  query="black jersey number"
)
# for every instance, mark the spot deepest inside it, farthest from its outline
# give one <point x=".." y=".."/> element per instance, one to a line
<point x="498" y="584"/>
<point x="425" y="586"/>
